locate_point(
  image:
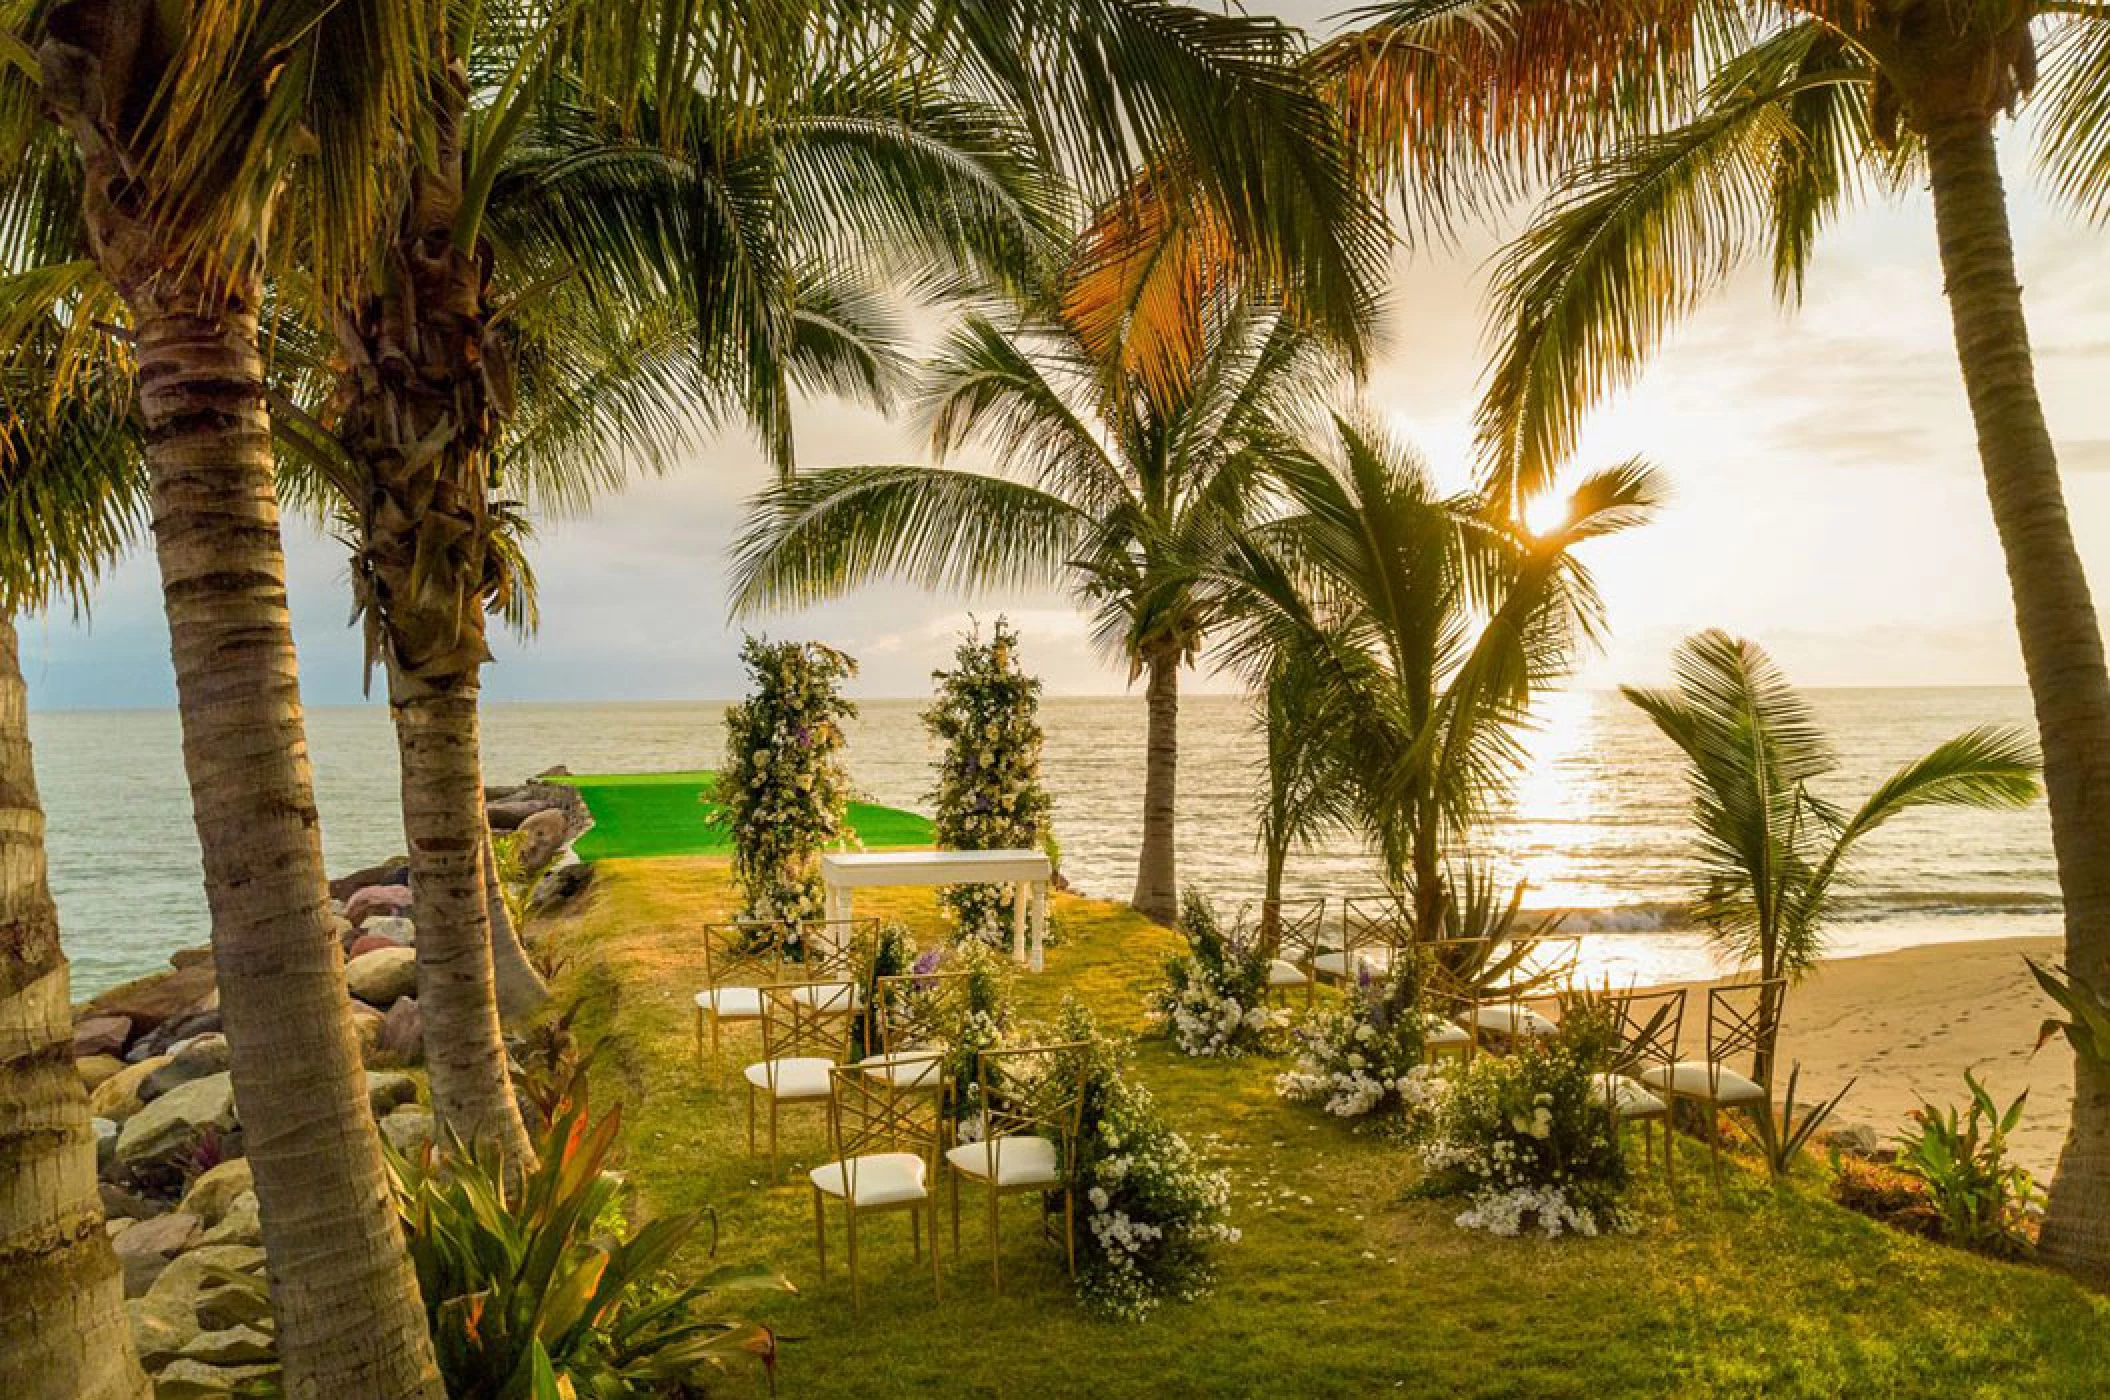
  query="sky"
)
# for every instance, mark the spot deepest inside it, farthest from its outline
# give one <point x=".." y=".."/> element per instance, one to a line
<point x="1827" y="500"/>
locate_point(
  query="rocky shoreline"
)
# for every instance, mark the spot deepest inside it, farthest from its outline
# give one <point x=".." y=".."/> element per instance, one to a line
<point x="174" y="1184"/>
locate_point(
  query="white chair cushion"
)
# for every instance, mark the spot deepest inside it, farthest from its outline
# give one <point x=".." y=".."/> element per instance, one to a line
<point x="880" y="1179"/>
<point x="1335" y="963"/>
<point x="830" y="996"/>
<point x="1696" y="1079"/>
<point x="732" y="1003"/>
<point x="1505" y="1019"/>
<point x="1438" y="1033"/>
<point x="1627" y="1098"/>
<point x="904" y="1069"/>
<point x="795" y="1077"/>
<point x="1023" y="1159"/>
<point x="1283" y="973"/>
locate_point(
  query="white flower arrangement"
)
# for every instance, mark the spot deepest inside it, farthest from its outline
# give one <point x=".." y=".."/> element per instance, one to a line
<point x="1214" y="999"/>
<point x="1364" y="1056"/>
<point x="989" y="794"/>
<point x="783" y="791"/>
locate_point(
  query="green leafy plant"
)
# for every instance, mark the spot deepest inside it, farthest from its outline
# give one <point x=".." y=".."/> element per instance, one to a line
<point x="532" y="1293"/>
<point x="1213" y="1001"/>
<point x="1782" y="1137"/>
<point x="1982" y="1198"/>
<point x="2086" y="1024"/>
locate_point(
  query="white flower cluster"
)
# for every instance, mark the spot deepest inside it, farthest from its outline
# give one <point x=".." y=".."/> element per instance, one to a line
<point x="1206" y="1024"/>
<point x="1509" y="1212"/>
<point x="783" y="789"/>
<point x="1353" y="1069"/>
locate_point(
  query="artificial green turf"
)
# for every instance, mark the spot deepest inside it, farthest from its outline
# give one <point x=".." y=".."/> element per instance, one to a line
<point x="638" y="815"/>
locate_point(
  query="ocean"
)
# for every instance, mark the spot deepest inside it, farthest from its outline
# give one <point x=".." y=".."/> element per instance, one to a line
<point x="1597" y="825"/>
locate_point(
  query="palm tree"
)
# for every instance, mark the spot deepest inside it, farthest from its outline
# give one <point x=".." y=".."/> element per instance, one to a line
<point x="170" y="134"/>
<point x="1123" y="485"/>
<point x="1772" y="852"/>
<point x="1431" y="622"/>
<point x="71" y="495"/>
<point x="1301" y="797"/>
<point x="1709" y="131"/>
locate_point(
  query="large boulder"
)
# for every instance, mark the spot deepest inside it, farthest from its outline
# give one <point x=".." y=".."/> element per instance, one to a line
<point x="188" y="957"/>
<point x="402" y="1033"/>
<point x="231" y="1346"/>
<point x="105" y="1036"/>
<point x="145" y="1248"/>
<point x="561" y="884"/>
<point x="216" y="1189"/>
<point x="120" y="1204"/>
<point x="241" y="1224"/>
<point x="393" y="927"/>
<point x="97" y="1070"/>
<point x="106" y="1131"/>
<point x="203" y="1020"/>
<point x="366" y="1025"/>
<point x="508" y="814"/>
<point x="117" y="1097"/>
<point x="369" y="942"/>
<point x="160" y="997"/>
<point x="539" y="838"/>
<point x="389" y="872"/>
<point x="381" y="977"/>
<point x="172" y="1126"/>
<point x="188" y="1379"/>
<point x="196" y="1058"/>
<point x="377" y="899"/>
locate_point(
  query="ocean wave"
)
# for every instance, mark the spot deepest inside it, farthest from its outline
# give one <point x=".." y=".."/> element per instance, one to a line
<point x="1675" y="916"/>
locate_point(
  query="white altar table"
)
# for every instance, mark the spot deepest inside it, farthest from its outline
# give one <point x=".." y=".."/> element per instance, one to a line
<point x="1027" y="872"/>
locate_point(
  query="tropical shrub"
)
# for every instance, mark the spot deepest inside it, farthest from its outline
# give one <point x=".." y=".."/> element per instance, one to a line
<point x="1149" y="1209"/>
<point x="533" y="1289"/>
<point x="1527" y="1140"/>
<point x="1214" y="998"/>
<point x="1783" y="1135"/>
<point x="1981" y="1198"/>
<point x="783" y="789"/>
<point x="989" y="794"/>
<point x="1365" y="1055"/>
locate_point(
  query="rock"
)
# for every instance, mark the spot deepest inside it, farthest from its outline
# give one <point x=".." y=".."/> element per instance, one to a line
<point x="196" y="1058"/>
<point x="227" y="1305"/>
<point x="101" y="1037"/>
<point x="216" y="1189"/>
<point x="105" y="1131"/>
<point x="190" y="1027"/>
<point x="117" y="1098"/>
<point x="507" y="815"/>
<point x="189" y="957"/>
<point x="120" y="1204"/>
<point x="386" y="1089"/>
<point x="539" y="838"/>
<point x="368" y="942"/>
<point x="410" y="1130"/>
<point x="116" y="1227"/>
<point x="174" y="1124"/>
<point x="96" y="1070"/>
<point x="555" y="771"/>
<point x="164" y="996"/>
<point x="377" y="899"/>
<point x="342" y="929"/>
<point x="145" y="1249"/>
<point x="402" y="1033"/>
<point x="388" y="872"/>
<point x="366" y="1025"/>
<point x="394" y="927"/>
<point x="231" y="1346"/>
<point x="240" y="1225"/>
<point x="561" y="884"/>
<point x="1858" y="1139"/>
<point x="186" y="1379"/>
<point x="159" y="1333"/>
<point x="380" y="977"/>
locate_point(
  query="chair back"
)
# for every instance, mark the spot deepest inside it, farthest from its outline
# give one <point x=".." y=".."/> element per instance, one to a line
<point x="914" y="1011"/>
<point x="743" y="952"/>
<point x="1648" y="1026"/>
<point x="1740" y="1019"/>
<point x="1032" y="1089"/>
<point x="1375" y="921"/>
<point x="1300" y="930"/>
<point x="807" y="1020"/>
<point x="825" y="950"/>
<point x="875" y="1114"/>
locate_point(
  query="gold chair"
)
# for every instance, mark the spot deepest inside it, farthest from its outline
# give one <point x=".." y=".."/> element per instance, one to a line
<point x="1298" y="931"/>
<point x="886" y="1140"/>
<point x="805" y="1033"/>
<point x="1528" y="981"/>
<point x="1647" y="1026"/>
<point x="1740" y="1020"/>
<point x="1032" y="1102"/>
<point x="913" y="1015"/>
<point x="740" y="958"/>
<point x="828" y="952"/>
<point x="1374" y="931"/>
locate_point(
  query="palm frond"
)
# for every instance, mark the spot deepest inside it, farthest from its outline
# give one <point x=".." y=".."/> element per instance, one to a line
<point x="2071" y="113"/>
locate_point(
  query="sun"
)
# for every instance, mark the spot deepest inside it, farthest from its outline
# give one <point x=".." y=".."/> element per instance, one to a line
<point x="1547" y="513"/>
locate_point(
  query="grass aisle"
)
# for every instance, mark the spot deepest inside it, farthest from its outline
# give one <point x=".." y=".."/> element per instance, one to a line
<point x="1342" y="1286"/>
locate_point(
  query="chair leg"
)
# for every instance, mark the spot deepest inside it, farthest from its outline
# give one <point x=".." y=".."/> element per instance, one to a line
<point x="915" y="1236"/>
<point x="1069" y="1228"/>
<point x="937" y="1277"/>
<point x="856" y="1297"/>
<point x="1714" y="1143"/>
<point x="750" y="1120"/>
<point x="955" y="1176"/>
<point x="772" y="1139"/>
<point x="699" y="1037"/>
<point x="996" y="1273"/>
<point x="820" y="1229"/>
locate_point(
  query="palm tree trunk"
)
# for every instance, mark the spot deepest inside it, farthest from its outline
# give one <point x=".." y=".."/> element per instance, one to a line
<point x="1277" y="856"/>
<point x="2062" y="642"/>
<point x="62" y="1301"/>
<point x="349" y="1318"/>
<point x="1157" y="876"/>
<point x="443" y="816"/>
<point x="521" y="990"/>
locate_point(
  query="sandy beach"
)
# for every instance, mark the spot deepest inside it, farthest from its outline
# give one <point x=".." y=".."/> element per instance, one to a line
<point x="1906" y="1025"/>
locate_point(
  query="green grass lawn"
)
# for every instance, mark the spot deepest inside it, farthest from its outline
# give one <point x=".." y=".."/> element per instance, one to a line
<point x="1342" y="1286"/>
<point x="638" y="815"/>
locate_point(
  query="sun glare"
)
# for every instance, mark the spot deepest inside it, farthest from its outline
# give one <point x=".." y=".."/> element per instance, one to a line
<point x="1545" y="514"/>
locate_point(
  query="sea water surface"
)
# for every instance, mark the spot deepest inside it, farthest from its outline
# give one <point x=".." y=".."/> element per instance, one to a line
<point x="1597" y="825"/>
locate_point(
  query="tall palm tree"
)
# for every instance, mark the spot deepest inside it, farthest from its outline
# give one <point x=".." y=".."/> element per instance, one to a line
<point x="1771" y="851"/>
<point x="1122" y="485"/>
<point x="1301" y="799"/>
<point x="1711" y="131"/>
<point x="71" y="495"/>
<point x="170" y="132"/>
<point x="1431" y="622"/>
